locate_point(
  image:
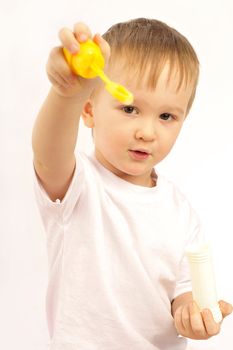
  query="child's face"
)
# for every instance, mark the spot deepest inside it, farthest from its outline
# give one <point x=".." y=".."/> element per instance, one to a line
<point x="130" y="140"/>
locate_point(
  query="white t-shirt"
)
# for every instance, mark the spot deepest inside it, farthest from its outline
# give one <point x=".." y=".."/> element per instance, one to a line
<point x="116" y="261"/>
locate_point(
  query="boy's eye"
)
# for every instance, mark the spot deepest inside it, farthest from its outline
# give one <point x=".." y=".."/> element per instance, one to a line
<point x="129" y="109"/>
<point x="166" y="116"/>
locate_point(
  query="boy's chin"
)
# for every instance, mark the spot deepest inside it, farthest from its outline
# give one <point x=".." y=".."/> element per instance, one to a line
<point x="136" y="174"/>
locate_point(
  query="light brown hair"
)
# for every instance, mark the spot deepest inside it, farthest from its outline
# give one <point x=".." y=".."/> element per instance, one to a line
<point x="144" y="43"/>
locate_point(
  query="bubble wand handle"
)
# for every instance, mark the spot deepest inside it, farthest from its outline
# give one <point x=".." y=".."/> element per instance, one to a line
<point x="101" y="74"/>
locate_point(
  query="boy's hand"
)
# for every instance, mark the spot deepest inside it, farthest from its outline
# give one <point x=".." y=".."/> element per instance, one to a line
<point x="192" y="323"/>
<point x="64" y="81"/>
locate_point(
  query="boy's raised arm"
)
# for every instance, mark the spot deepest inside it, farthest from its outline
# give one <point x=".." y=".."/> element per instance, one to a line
<point x="53" y="140"/>
<point x="56" y="127"/>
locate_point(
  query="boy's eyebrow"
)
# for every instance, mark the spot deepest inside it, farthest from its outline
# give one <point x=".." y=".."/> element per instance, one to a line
<point x="176" y="109"/>
<point x="137" y="100"/>
<point x="170" y="108"/>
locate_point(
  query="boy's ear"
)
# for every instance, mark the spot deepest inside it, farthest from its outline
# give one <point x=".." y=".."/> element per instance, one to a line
<point x="87" y="114"/>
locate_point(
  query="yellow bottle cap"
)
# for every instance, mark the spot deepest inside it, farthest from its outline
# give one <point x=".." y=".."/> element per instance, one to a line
<point x="81" y="62"/>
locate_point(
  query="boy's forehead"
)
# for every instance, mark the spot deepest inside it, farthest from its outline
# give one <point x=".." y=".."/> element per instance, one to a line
<point x="137" y="81"/>
<point x="121" y="73"/>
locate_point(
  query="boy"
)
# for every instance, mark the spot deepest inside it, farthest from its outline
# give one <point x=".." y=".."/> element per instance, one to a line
<point x="116" y="229"/>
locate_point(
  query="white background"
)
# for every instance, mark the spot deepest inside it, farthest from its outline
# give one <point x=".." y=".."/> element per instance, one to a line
<point x="200" y="164"/>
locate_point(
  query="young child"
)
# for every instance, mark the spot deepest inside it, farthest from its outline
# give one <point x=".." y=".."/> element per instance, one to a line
<point x="116" y="228"/>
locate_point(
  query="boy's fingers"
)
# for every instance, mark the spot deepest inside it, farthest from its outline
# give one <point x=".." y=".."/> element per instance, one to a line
<point x="186" y="318"/>
<point x="71" y="40"/>
<point x="196" y="321"/>
<point x="58" y="81"/>
<point x="178" y="320"/>
<point x="57" y="63"/>
<point x="82" y="32"/>
<point x="68" y="40"/>
<point x="103" y="44"/>
<point x="211" y="326"/>
<point x="225" y="308"/>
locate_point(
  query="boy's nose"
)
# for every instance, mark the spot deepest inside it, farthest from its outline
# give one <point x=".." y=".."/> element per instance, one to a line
<point x="146" y="132"/>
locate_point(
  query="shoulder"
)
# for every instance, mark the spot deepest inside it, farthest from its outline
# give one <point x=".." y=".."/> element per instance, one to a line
<point x="182" y="211"/>
<point x="175" y="196"/>
<point x="171" y="188"/>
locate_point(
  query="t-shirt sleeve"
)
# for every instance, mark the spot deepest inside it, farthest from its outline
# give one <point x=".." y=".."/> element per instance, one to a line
<point x="58" y="212"/>
<point x="194" y="236"/>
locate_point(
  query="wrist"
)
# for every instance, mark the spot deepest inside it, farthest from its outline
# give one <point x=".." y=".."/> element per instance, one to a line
<point x="62" y="96"/>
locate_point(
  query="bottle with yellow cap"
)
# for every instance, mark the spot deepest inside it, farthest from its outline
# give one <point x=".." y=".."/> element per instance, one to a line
<point x="89" y="63"/>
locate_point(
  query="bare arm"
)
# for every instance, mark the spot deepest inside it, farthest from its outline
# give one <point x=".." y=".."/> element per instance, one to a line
<point x="56" y="127"/>
<point x="53" y="140"/>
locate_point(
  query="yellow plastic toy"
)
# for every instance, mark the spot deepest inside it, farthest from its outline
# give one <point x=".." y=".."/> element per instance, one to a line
<point x="89" y="63"/>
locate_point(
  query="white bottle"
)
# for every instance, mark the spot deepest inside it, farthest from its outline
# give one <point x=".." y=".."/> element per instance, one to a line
<point x="203" y="281"/>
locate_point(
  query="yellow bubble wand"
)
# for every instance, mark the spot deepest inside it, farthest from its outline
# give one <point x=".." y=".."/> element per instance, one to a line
<point x="89" y="63"/>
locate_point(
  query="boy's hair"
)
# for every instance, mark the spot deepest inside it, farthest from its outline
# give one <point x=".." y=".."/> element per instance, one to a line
<point x="149" y="43"/>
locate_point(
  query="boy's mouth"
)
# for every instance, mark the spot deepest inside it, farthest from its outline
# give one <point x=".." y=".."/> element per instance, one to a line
<point x="139" y="154"/>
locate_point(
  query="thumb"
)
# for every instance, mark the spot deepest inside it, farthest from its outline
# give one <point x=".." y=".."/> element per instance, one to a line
<point x="225" y="308"/>
<point x="104" y="46"/>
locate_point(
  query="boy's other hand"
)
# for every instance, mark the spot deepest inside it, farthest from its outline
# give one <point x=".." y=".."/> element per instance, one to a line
<point x="64" y="81"/>
<point x="192" y="323"/>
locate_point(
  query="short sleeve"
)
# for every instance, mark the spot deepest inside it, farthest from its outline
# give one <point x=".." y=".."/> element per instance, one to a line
<point x="194" y="236"/>
<point x="56" y="211"/>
